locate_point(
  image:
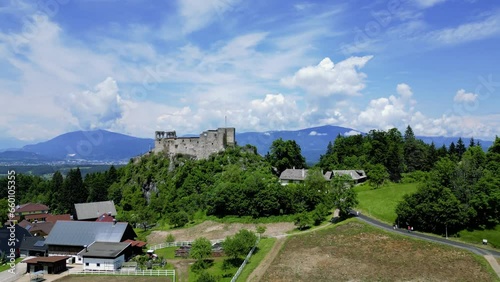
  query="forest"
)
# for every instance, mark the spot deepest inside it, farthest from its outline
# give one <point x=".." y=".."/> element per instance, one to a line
<point x="459" y="184"/>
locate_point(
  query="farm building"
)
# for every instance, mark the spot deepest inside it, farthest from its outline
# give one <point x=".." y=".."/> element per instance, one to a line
<point x="105" y="255"/>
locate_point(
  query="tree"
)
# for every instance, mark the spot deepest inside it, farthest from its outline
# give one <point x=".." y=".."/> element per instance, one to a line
<point x="201" y="249"/>
<point x="206" y="277"/>
<point x="303" y="220"/>
<point x="432" y="208"/>
<point x="285" y="154"/>
<point x="240" y="244"/>
<point x="179" y="219"/>
<point x="73" y="191"/>
<point x="261" y="229"/>
<point x="460" y="148"/>
<point x="343" y="196"/>
<point x="56" y="187"/>
<point x="378" y="175"/>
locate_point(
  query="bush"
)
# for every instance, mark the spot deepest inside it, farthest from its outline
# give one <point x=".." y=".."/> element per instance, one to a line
<point x="170" y="238"/>
<point x="206" y="277"/>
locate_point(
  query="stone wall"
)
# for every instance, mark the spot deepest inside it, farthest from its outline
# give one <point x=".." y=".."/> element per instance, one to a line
<point x="209" y="142"/>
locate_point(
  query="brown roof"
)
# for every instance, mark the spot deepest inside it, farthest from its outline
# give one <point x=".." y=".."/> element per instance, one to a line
<point x="45" y="227"/>
<point x="105" y="218"/>
<point x="24" y="223"/>
<point x="134" y="243"/>
<point x="36" y="216"/>
<point x="46" y="259"/>
<point x="30" y="207"/>
<point x="56" y="217"/>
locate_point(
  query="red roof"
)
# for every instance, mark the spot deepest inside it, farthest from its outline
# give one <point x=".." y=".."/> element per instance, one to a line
<point x="134" y="243"/>
<point x="105" y="218"/>
<point x="56" y="217"/>
<point x="30" y="207"/>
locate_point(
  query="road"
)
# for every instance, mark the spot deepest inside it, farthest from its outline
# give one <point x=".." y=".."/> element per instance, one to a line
<point x="6" y="276"/>
<point x="476" y="250"/>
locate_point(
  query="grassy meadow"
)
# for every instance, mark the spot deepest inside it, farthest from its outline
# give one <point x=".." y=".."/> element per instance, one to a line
<point x="381" y="203"/>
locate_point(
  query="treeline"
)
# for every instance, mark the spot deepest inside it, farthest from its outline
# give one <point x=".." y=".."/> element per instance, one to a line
<point x="237" y="182"/>
<point x="394" y="152"/>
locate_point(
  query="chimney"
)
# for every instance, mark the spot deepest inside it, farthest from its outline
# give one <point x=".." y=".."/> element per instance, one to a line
<point x="114" y="221"/>
<point x="85" y="246"/>
<point x="109" y="213"/>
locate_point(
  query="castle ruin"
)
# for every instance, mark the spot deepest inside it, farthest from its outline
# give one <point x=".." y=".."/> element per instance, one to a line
<point x="209" y="142"/>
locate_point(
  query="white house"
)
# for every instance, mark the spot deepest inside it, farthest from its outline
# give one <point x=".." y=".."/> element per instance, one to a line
<point x="104" y="255"/>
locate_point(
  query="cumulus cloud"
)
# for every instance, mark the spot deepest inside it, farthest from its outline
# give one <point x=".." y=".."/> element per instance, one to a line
<point x="463" y="96"/>
<point x="275" y="111"/>
<point x="327" y="78"/>
<point x="97" y="108"/>
<point x="385" y="113"/>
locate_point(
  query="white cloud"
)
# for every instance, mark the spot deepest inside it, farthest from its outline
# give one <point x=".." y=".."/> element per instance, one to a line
<point x="385" y="113"/>
<point x="98" y="108"/>
<point x="472" y="31"/>
<point x="197" y="14"/>
<point x="463" y="96"/>
<point x="326" y="78"/>
<point x="428" y="3"/>
<point x="314" y="133"/>
<point x="352" y="132"/>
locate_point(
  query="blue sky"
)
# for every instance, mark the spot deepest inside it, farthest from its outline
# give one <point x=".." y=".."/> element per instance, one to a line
<point x="139" y="66"/>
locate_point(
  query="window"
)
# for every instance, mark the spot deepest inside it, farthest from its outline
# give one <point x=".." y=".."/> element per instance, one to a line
<point x="98" y="264"/>
<point x="86" y="264"/>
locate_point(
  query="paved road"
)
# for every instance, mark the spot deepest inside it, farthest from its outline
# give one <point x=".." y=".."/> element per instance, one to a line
<point x="6" y="276"/>
<point x="414" y="234"/>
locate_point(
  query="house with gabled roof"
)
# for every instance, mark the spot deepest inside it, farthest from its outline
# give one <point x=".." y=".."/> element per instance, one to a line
<point x="292" y="175"/>
<point x="34" y="246"/>
<point x="357" y="175"/>
<point x="105" y="255"/>
<point x="70" y="237"/>
<point x="9" y="242"/>
<point x="30" y="209"/>
<point x="92" y="211"/>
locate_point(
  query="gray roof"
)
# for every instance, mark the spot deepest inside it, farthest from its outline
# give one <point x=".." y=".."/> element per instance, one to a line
<point x="298" y="174"/>
<point x="94" y="210"/>
<point x="354" y="174"/>
<point x="104" y="250"/>
<point x="81" y="233"/>
<point x="293" y="174"/>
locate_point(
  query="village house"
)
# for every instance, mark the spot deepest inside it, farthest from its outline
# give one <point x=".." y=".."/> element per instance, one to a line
<point x="93" y="211"/>
<point x="105" y="255"/>
<point x="292" y="175"/>
<point x="6" y="238"/>
<point x="34" y="246"/>
<point x="68" y="238"/>
<point x="49" y="265"/>
<point x="31" y="212"/>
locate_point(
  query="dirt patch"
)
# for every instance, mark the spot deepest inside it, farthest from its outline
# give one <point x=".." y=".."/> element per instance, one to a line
<point x="213" y="230"/>
<point x="358" y="252"/>
<point x="182" y="268"/>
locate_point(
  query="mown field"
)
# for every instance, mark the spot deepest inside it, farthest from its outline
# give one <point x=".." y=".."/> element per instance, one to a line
<point x="381" y="203"/>
<point x="354" y="251"/>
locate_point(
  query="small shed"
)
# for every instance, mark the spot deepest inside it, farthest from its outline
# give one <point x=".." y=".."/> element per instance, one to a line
<point x="50" y="265"/>
<point x="104" y="255"/>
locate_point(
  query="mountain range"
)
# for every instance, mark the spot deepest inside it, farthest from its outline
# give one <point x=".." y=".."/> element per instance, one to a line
<point x="105" y="146"/>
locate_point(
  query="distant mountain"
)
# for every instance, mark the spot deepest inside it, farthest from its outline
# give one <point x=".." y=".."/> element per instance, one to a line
<point x="312" y="141"/>
<point x="106" y="146"/>
<point x="98" y="145"/>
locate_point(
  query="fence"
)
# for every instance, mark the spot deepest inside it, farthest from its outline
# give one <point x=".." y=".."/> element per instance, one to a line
<point x="179" y="244"/>
<point x="150" y="272"/>
<point x="235" y="277"/>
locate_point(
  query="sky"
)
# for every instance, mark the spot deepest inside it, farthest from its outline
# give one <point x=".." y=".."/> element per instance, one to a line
<point x="135" y="67"/>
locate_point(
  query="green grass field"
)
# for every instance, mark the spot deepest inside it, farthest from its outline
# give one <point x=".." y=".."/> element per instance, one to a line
<point x="477" y="236"/>
<point x="264" y="246"/>
<point x="167" y="253"/>
<point x="381" y="203"/>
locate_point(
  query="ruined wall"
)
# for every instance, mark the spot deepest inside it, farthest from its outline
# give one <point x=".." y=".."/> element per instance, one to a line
<point x="209" y="142"/>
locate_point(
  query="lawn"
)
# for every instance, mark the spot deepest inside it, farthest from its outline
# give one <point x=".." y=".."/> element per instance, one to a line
<point x="167" y="253"/>
<point x="264" y="246"/>
<point x="381" y="203"/>
<point x="477" y="236"/>
<point x="216" y="270"/>
<point x="355" y="251"/>
<point x="109" y="278"/>
<point x="6" y="266"/>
